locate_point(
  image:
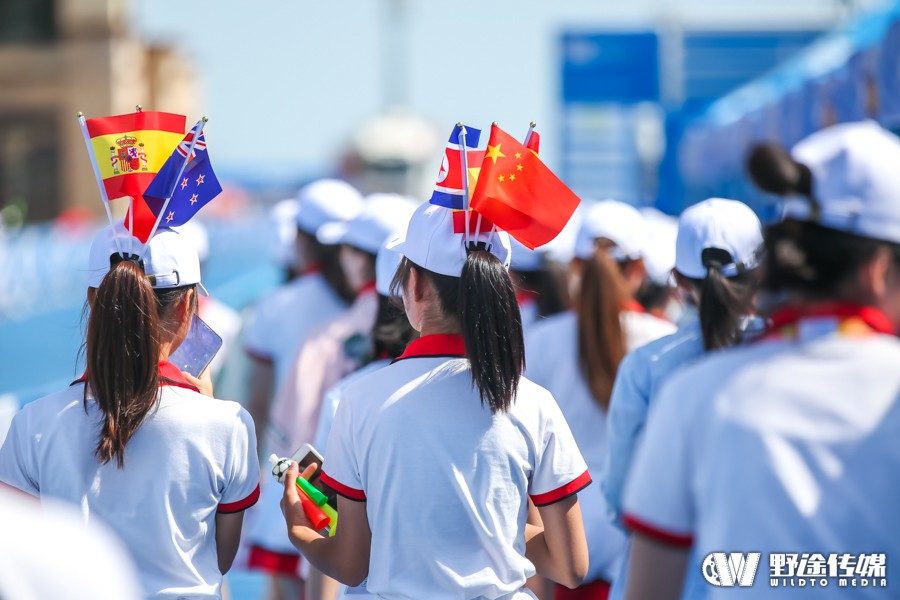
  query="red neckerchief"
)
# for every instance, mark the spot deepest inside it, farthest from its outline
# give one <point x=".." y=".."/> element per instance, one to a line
<point x="169" y="375"/>
<point x="311" y="269"/>
<point x="784" y="322"/>
<point x="443" y="344"/>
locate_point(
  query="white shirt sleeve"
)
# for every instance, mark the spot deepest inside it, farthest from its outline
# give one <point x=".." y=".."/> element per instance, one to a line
<point x="241" y="467"/>
<point x="326" y="416"/>
<point x="625" y="423"/>
<point x="560" y="470"/>
<point x="18" y="455"/>
<point x="659" y="500"/>
<point x="341" y="470"/>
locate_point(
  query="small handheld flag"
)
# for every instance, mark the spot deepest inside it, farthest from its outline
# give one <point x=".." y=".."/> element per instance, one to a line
<point x="520" y="194"/>
<point x="449" y="191"/>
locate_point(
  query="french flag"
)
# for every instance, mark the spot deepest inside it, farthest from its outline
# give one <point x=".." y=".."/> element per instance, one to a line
<point x="449" y="190"/>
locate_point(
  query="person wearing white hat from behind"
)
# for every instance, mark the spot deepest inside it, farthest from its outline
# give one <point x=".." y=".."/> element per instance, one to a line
<point x="540" y="284"/>
<point x="435" y="456"/>
<point x="575" y="356"/>
<point x="282" y="321"/>
<point x="390" y="335"/>
<point x="133" y="442"/>
<point x="330" y="351"/>
<point x="810" y="413"/>
<point x="717" y="253"/>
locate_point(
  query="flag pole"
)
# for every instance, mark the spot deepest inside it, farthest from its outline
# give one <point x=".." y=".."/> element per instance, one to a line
<point x="464" y="165"/>
<point x="528" y="134"/>
<point x="201" y="124"/>
<point x="137" y="108"/>
<point x="87" y="142"/>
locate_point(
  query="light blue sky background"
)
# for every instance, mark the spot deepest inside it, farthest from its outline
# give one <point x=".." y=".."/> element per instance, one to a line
<point x="287" y="83"/>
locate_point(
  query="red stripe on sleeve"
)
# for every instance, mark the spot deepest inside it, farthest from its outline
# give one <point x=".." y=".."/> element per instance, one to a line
<point x="233" y="507"/>
<point x="560" y="493"/>
<point x="680" y="540"/>
<point x="343" y="490"/>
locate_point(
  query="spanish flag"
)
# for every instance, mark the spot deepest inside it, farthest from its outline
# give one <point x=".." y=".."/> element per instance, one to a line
<point x="130" y="149"/>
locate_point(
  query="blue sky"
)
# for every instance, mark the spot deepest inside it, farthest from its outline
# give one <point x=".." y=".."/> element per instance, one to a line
<point x="287" y="83"/>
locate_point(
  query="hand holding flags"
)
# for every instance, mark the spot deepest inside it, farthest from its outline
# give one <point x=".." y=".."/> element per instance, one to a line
<point x="519" y="193"/>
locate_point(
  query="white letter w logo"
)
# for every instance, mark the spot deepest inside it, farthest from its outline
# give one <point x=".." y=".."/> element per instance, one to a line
<point x="727" y="570"/>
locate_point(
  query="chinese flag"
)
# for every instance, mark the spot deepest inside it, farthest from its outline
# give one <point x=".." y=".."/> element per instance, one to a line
<point x="518" y="193"/>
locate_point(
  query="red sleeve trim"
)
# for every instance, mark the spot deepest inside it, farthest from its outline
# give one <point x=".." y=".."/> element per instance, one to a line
<point x="635" y="524"/>
<point x="233" y="507"/>
<point x="345" y="491"/>
<point x="275" y="563"/>
<point x="561" y="493"/>
<point x="259" y="356"/>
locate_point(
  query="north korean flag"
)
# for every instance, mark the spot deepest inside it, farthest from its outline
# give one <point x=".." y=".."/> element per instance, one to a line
<point x="449" y="190"/>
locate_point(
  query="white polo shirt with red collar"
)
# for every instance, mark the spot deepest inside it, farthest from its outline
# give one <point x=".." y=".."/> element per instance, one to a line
<point x="191" y="458"/>
<point x="283" y="320"/>
<point x="788" y="446"/>
<point x="552" y="359"/>
<point x="447" y="482"/>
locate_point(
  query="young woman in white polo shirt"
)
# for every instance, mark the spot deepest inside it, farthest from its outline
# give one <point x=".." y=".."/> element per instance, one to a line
<point x="788" y="447"/>
<point x="717" y="248"/>
<point x="436" y="456"/>
<point x="133" y="443"/>
<point x="575" y="356"/>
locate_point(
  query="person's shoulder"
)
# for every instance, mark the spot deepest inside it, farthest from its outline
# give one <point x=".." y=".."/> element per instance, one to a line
<point x="550" y="328"/>
<point x="686" y="338"/>
<point x="56" y="403"/>
<point x="191" y="404"/>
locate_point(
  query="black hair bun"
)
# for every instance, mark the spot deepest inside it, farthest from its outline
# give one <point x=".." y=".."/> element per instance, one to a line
<point x="772" y="168"/>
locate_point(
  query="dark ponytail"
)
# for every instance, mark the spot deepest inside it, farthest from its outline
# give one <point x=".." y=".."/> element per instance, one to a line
<point x="328" y="259"/>
<point x="482" y="301"/>
<point x="601" y="338"/>
<point x="724" y="301"/>
<point x="392" y="331"/>
<point x="122" y="351"/>
<point x="492" y="329"/>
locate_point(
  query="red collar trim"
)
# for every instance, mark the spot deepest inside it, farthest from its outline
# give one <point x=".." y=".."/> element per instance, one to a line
<point x="312" y="269"/>
<point x="790" y="316"/>
<point x="633" y="306"/>
<point x="169" y="375"/>
<point x="435" y="345"/>
<point x="369" y="288"/>
<point x="526" y="297"/>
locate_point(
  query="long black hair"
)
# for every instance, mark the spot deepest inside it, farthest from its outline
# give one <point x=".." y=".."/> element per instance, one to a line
<point x="124" y="336"/>
<point x="483" y="300"/>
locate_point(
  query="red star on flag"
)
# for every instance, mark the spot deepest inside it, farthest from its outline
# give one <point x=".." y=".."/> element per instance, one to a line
<point x="184" y="183"/>
<point x="200" y="180"/>
<point x="171" y="216"/>
<point x="194" y="199"/>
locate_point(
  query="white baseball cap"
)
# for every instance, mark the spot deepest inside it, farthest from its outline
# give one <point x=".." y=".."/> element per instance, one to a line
<point x="721" y="224"/>
<point x="383" y="216"/>
<point x="855" y="180"/>
<point x="195" y="232"/>
<point x="432" y="243"/>
<point x="659" y="254"/>
<point x="326" y="201"/>
<point x="616" y="221"/>
<point x="170" y="259"/>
